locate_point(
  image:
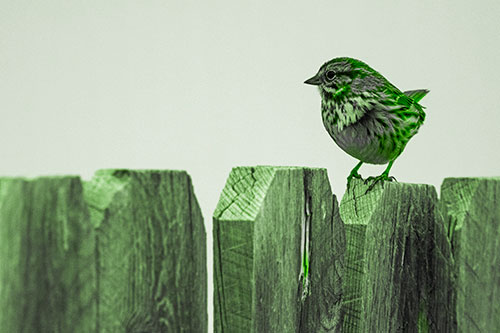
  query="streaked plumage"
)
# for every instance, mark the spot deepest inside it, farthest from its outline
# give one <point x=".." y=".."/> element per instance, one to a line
<point x="366" y="115"/>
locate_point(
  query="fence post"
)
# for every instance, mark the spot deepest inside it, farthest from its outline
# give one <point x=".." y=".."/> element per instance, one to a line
<point x="123" y="252"/>
<point x="471" y="207"/>
<point x="397" y="262"/>
<point x="47" y="276"/>
<point x="278" y="247"/>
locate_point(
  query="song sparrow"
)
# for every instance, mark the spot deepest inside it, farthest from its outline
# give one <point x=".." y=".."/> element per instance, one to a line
<point x="365" y="114"/>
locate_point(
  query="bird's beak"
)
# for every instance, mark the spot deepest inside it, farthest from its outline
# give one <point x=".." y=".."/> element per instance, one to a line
<point x="315" y="81"/>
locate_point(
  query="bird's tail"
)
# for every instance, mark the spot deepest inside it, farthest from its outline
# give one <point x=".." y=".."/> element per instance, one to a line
<point x="417" y="95"/>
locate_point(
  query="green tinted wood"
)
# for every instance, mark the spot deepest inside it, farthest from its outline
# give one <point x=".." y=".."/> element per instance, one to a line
<point x="125" y="252"/>
<point x="471" y="207"/>
<point x="267" y="222"/>
<point x="398" y="260"/>
<point x="47" y="271"/>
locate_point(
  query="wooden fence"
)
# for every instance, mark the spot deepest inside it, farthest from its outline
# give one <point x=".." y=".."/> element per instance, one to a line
<point x="126" y="252"/>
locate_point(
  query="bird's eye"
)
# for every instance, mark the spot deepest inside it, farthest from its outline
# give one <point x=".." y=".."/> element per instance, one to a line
<point x="330" y="75"/>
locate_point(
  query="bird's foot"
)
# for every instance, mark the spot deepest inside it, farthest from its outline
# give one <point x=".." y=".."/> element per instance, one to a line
<point x="353" y="174"/>
<point x="383" y="177"/>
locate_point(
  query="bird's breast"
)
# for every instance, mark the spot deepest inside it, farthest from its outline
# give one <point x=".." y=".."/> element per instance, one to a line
<point x="367" y="139"/>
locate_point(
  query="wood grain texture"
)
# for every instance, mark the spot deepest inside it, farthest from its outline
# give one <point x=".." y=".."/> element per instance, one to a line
<point x="266" y="219"/>
<point x="47" y="276"/>
<point x="150" y="252"/>
<point x="471" y="207"/>
<point x="398" y="260"/>
<point x="124" y="252"/>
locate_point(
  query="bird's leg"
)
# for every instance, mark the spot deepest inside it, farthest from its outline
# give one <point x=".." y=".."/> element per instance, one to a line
<point x="384" y="176"/>
<point x="354" y="173"/>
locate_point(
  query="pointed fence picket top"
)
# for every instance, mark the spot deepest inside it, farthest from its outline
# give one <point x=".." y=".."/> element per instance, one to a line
<point x="397" y="261"/>
<point x="471" y="207"/>
<point x="124" y="252"/>
<point x="278" y="243"/>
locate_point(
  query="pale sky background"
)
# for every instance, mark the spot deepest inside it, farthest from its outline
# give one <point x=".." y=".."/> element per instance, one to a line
<point x="208" y="85"/>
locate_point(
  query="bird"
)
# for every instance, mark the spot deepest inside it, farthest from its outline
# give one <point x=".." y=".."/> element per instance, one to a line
<point x="366" y="115"/>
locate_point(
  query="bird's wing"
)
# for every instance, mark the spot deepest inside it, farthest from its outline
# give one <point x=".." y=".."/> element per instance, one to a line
<point x="401" y="104"/>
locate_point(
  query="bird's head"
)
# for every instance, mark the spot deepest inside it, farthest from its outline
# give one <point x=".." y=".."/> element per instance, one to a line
<point x="340" y="76"/>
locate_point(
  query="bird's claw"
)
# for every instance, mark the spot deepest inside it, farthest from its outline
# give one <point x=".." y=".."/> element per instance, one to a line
<point x="351" y="176"/>
<point x="354" y="175"/>
<point x="383" y="177"/>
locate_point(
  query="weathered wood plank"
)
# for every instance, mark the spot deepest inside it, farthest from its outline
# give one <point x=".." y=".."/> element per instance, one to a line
<point x="151" y="252"/>
<point x="398" y="260"/>
<point x="124" y="252"/>
<point x="47" y="276"/>
<point x="267" y="221"/>
<point x="471" y="207"/>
